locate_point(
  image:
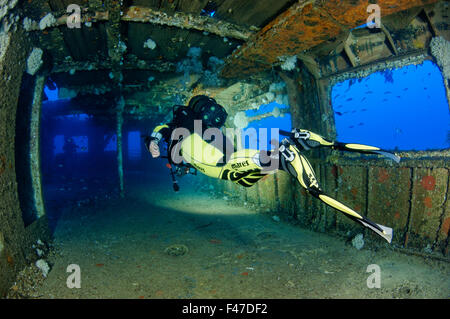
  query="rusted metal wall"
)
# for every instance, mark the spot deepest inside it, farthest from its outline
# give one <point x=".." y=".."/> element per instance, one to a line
<point x="15" y="239"/>
<point x="304" y="25"/>
<point x="411" y="197"/>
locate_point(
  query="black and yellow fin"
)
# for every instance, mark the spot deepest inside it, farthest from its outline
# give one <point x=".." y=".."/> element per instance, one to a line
<point x="381" y="230"/>
<point x="360" y="148"/>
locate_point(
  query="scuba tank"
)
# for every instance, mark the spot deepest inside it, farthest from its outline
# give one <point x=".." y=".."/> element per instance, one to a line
<point x="200" y="107"/>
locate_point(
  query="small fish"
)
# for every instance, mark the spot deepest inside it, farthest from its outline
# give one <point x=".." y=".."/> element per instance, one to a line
<point x="338" y="113"/>
<point x="363" y="110"/>
<point x="348" y="100"/>
<point x="363" y="99"/>
<point x="369" y="92"/>
<point x="360" y="124"/>
<point x="351" y="126"/>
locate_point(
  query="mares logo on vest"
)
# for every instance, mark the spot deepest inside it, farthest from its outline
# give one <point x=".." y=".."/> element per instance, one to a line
<point x="240" y="165"/>
<point x="201" y="169"/>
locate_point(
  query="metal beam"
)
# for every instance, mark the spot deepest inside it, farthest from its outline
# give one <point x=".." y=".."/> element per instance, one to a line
<point x="160" y="66"/>
<point x="119" y="114"/>
<point x="303" y="26"/>
<point x="113" y="39"/>
<point x="35" y="149"/>
<point x="389" y="38"/>
<point x="178" y="20"/>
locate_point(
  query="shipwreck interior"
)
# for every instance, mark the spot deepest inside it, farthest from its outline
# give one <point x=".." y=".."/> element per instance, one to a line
<point x="83" y="81"/>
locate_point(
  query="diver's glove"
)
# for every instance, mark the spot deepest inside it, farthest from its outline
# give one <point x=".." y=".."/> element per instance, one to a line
<point x="152" y="148"/>
<point x="154" y="137"/>
<point x="147" y="141"/>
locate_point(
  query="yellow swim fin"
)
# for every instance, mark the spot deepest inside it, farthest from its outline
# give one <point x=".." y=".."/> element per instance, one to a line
<point x="381" y="230"/>
<point x="360" y="148"/>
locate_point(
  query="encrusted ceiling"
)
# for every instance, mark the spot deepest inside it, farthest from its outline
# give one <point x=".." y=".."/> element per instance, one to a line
<point x="137" y="45"/>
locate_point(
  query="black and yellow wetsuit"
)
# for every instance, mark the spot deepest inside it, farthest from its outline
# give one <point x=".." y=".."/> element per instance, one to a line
<point x="247" y="166"/>
<point x="241" y="167"/>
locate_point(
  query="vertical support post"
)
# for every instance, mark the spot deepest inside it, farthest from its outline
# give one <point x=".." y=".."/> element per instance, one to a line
<point x="120" y="108"/>
<point x="35" y="151"/>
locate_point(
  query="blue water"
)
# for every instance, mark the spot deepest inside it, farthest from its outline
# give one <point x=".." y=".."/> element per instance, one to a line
<point x="81" y="143"/>
<point x="134" y="145"/>
<point x="112" y="143"/>
<point x="52" y="95"/>
<point x="404" y="109"/>
<point x="257" y="141"/>
<point x="58" y="143"/>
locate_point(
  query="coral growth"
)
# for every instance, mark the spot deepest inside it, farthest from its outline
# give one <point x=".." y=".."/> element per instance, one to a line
<point x="43" y="266"/>
<point x="240" y="120"/>
<point x="34" y="61"/>
<point x="440" y="49"/>
<point x="5" y="6"/>
<point x="211" y="76"/>
<point x="193" y="65"/>
<point x="288" y="63"/>
<point x="28" y="24"/>
<point x="150" y="44"/>
<point x="47" y="21"/>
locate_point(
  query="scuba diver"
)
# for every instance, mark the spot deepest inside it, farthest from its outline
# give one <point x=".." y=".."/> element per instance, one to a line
<point x="195" y="142"/>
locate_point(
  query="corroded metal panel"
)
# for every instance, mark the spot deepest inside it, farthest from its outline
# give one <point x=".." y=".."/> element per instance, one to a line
<point x="305" y="205"/>
<point x="328" y="183"/>
<point x="304" y="25"/>
<point x="267" y="194"/>
<point x="354" y="13"/>
<point x="299" y="28"/>
<point x="443" y="235"/>
<point x="253" y="194"/>
<point x="389" y="199"/>
<point x="428" y="198"/>
<point x="351" y="191"/>
<point x="285" y="187"/>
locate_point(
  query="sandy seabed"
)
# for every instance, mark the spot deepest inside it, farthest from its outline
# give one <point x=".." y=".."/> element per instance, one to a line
<point x="233" y="252"/>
